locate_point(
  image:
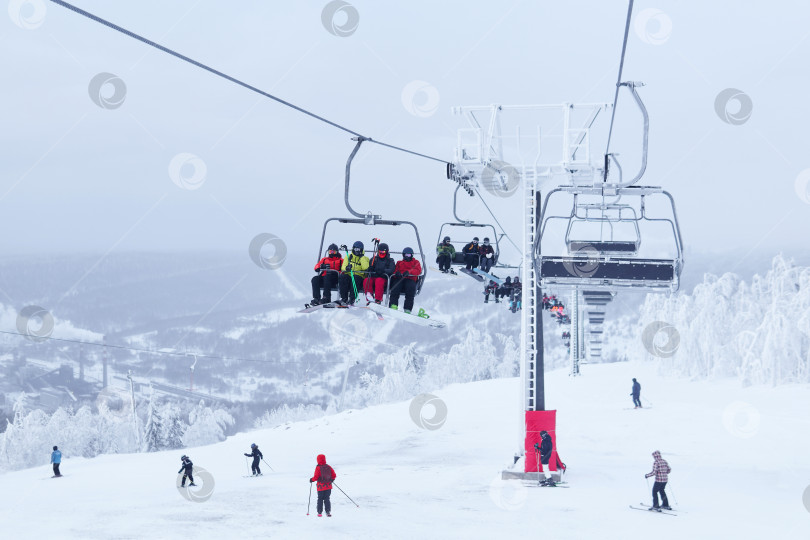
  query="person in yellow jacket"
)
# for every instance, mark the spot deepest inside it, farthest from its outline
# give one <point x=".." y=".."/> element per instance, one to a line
<point x="354" y="267"/>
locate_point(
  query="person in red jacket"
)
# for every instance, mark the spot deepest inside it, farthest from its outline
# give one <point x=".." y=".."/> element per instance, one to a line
<point x="324" y="475"/>
<point x="328" y="269"/>
<point x="406" y="274"/>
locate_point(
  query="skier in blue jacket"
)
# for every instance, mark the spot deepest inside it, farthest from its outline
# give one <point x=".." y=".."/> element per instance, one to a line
<point x="56" y="459"/>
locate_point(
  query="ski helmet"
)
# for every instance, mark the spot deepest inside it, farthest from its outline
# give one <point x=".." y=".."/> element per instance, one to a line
<point x="357" y="247"/>
<point x="543" y="433"/>
<point x="332" y="247"/>
<point x="517" y="278"/>
<point x="253" y="445"/>
<point x="475" y="240"/>
<point x="407" y="254"/>
<point x="383" y="247"/>
<point x="446" y="239"/>
<point x="54" y="448"/>
<point x="183" y="457"/>
<point x="486" y="241"/>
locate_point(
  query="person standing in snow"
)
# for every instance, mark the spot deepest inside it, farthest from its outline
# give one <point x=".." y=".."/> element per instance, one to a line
<point x="636" y="393"/>
<point x="324" y="475"/>
<point x="56" y="459"/>
<point x="546" y="446"/>
<point x="660" y="470"/>
<point x="256" y="454"/>
<point x="186" y="468"/>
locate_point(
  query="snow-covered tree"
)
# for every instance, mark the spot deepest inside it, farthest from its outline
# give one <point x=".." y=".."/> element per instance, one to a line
<point x="206" y="425"/>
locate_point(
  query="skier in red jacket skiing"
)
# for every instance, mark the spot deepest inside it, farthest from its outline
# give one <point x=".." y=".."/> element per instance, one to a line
<point x="324" y="475"/>
<point x="406" y="273"/>
<point x="328" y="269"/>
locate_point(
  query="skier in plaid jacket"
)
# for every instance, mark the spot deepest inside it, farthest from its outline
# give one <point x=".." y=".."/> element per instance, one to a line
<point x="661" y="471"/>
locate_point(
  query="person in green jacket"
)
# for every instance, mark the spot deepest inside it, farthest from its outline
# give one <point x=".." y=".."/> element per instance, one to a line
<point x="446" y="252"/>
<point x="354" y="268"/>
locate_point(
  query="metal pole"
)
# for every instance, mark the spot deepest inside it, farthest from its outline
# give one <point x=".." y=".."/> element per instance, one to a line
<point x="537" y="310"/>
<point x="134" y="413"/>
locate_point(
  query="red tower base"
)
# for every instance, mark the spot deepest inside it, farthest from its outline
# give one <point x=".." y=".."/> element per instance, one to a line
<point x="537" y="421"/>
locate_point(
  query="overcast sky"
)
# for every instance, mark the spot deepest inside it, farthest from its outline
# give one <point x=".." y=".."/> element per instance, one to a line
<point x="77" y="176"/>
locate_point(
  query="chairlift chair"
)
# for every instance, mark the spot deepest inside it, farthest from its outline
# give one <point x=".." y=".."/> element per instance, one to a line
<point x="371" y="219"/>
<point x="458" y="259"/>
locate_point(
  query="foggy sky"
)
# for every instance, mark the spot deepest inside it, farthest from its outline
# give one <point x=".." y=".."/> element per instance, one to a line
<point x="79" y="177"/>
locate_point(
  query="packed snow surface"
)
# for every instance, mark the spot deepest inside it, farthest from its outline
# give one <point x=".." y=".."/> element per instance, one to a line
<point x="738" y="456"/>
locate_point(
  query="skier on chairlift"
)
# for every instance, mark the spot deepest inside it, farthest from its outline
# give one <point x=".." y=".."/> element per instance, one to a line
<point x="445" y="253"/>
<point x="504" y="290"/>
<point x="353" y="270"/>
<point x="471" y="254"/>
<point x="491" y="288"/>
<point x="380" y="271"/>
<point x="516" y="298"/>
<point x="487" y="256"/>
<point x="406" y="274"/>
<point x="328" y="269"/>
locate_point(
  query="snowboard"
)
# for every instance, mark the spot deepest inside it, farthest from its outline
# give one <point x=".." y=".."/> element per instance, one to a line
<point x="308" y="308"/>
<point x="402" y="316"/>
<point x="472" y="274"/>
<point x="480" y="272"/>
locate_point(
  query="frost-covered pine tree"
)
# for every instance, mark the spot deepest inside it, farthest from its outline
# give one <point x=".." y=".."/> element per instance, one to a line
<point x="206" y="425"/>
<point x="153" y="438"/>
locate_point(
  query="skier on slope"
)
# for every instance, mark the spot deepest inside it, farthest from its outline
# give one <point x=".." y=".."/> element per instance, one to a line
<point x="471" y="255"/>
<point x="445" y="254"/>
<point x="56" y="459"/>
<point x="660" y="470"/>
<point x="545" y="449"/>
<point x="324" y="475"/>
<point x="354" y="268"/>
<point x="256" y="454"/>
<point x="636" y="393"/>
<point x="328" y="269"/>
<point x="186" y="468"/>
<point x="487" y="256"/>
<point x="406" y="274"/>
<point x="380" y="270"/>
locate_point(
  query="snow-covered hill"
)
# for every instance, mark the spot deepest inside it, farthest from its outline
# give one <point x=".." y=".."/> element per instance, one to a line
<point x="738" y="458"/>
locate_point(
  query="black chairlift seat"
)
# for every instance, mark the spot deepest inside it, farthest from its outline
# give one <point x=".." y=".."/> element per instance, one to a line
<point x="609" y="272"/>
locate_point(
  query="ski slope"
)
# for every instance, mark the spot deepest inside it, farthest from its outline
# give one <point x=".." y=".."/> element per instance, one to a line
<point x="738" y="457"/>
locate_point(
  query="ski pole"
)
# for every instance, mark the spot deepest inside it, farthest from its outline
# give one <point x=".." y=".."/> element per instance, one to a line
<point x="246" y="464"/>
<point x="673" y="496"/>
<point x="351" y="271"/>
<point x="271" y="468"/>
<point x="309" y="501"/>
<point x="337" y="486"/>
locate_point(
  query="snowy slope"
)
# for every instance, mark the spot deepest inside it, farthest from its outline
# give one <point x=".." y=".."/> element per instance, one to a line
<point x="738" y="458"/>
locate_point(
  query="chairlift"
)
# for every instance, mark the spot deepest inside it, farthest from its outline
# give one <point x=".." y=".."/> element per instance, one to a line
<point x="458" y="259"/>
<point x="372" y="220"/>
<point x="610" y="261"/>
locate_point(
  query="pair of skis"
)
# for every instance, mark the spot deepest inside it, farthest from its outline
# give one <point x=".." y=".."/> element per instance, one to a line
<point x="422" y="319"/>
<point x="648" y="508"/>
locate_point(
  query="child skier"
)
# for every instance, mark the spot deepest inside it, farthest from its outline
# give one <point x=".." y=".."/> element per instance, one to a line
<point x="324" y="475"/>
<point x="445" y="252"/>
<point x="660" y="471"/>
<point x="545" y="456"/>
<point x="380" y="270"/>
<point x="256" y="454"/>
<point x="56" y="459"/>
<point x="353" y="270"/>
<point x="186" y="468"/>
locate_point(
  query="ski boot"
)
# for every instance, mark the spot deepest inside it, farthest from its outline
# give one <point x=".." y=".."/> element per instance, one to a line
<point x="393" y="306"/>
<point x="314" y="302"/>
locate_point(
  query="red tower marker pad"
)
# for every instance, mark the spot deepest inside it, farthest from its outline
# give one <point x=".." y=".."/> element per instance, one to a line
<point x="537" y="421"/>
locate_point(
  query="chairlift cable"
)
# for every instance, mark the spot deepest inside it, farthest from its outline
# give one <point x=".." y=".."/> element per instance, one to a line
<point x="498" y="222"/>
<point x="618" y="82"/>
<point x="233" y="79"/>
